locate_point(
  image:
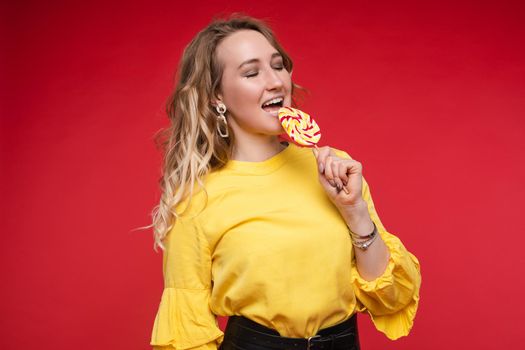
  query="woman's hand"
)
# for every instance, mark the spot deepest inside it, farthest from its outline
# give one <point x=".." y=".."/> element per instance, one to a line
<point x="336" y="173"/>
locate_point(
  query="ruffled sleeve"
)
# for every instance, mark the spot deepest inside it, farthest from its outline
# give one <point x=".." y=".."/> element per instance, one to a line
<point x="392" y="299"/>
<point x="184" y="319"/>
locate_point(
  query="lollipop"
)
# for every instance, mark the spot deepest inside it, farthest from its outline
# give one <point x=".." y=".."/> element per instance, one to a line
<point x="301" y="128"/>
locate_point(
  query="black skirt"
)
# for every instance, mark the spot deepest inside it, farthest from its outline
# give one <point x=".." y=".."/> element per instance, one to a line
<point x="241" y="333"/>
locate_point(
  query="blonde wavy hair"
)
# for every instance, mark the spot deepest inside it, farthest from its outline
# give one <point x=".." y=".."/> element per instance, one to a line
<point x="191" y="145"/>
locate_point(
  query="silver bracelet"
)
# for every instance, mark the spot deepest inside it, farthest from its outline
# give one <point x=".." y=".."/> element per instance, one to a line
<point x="369" y="239"/>
<point x="374" y="231"/>
<point x="364" y="245"/>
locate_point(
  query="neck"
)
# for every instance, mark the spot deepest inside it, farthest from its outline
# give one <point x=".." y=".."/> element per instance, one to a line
<point x="257" y="149"/>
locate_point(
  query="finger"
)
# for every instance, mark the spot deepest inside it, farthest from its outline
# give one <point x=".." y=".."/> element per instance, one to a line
<point x="331" y="190"/>
<point x="346" y="167"/>
<point x="356" y="168"/>
<point x="335" y="171"/>
<point x="328" y="173"/>
<point x="323" y="153"/>
<point x="341" y="171"/>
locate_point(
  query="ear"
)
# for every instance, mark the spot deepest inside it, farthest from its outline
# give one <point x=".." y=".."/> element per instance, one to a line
<point x="216" y="99"/>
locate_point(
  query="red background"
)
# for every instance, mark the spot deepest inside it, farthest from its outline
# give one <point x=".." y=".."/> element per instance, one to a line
<point x="429" y="96"/>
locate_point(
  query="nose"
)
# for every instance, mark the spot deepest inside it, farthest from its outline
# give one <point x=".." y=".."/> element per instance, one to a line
<point x="274" y="81"/>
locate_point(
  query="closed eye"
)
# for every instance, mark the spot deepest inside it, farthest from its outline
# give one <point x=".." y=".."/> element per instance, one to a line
<point x="250" y="75"/>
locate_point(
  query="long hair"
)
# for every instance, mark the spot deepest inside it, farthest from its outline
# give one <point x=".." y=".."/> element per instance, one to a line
<point x="191" y="144"/>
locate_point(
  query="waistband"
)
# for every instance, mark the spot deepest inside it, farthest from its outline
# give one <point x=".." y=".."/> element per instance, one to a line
<point x="244" y="332"/>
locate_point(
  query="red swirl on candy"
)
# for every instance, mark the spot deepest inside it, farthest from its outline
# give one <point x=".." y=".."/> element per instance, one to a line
<point x="300" y="126"/>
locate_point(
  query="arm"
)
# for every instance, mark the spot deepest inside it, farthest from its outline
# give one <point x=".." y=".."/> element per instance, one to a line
<point x="386" y="277"/>
<point x="387" y="288"/>
<point x="371" y="263"/>
<point x="184" y="319"/>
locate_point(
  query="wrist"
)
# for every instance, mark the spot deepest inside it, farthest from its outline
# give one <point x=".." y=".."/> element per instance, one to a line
<point x="361" y="229"/>
<point x="364" y="242"/>
<point x="358" y="219"/>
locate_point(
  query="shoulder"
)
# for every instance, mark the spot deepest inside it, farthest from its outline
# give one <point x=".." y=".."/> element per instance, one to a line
<point x="213" y="186"/>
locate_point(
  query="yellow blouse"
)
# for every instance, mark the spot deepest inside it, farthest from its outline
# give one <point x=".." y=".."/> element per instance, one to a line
<point x="268" y="244"/>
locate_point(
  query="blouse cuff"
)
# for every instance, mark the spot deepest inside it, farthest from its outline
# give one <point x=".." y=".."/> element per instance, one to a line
<point x="391" y="299"/>
<point x="185" y="321"/>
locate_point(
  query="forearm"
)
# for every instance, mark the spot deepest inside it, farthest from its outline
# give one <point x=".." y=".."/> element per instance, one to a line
<point x="371" y="263"/>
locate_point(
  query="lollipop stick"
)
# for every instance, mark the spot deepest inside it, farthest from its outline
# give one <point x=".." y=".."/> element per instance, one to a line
<point x="316" y="149"/>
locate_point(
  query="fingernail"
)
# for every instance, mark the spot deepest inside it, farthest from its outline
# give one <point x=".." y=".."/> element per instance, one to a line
<point x="339" y="188"/>
<point x="331" y="182"/>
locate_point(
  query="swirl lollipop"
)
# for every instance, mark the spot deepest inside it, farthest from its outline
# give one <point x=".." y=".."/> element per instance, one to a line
<point x="301" y="128"/>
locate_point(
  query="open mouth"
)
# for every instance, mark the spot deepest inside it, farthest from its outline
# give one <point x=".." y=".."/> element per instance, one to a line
<point x="273" y="105"/>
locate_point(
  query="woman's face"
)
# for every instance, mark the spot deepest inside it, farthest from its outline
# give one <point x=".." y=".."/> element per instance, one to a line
<point x="253" y="73"/>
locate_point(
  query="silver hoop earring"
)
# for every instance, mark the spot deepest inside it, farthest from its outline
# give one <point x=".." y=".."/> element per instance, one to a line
<point x="221" y="109"/>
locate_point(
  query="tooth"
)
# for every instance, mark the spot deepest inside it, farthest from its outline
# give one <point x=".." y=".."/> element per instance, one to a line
<point x="277" y="99"/>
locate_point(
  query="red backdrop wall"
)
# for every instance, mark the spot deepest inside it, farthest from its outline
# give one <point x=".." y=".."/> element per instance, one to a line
<point x="429" y="96"/>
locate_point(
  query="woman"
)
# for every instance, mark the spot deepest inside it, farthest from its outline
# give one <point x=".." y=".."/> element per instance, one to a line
<point x="259" y="229"/>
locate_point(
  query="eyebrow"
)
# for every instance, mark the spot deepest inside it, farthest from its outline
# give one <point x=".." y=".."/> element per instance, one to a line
<point x="275" y="54"/>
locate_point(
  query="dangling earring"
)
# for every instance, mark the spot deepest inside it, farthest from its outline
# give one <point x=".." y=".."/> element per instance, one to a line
<point x="221" y="109"/>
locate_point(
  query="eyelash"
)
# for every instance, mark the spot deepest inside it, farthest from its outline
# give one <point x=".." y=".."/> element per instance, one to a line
<point x="254" y="74"/>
